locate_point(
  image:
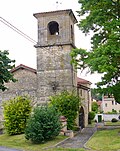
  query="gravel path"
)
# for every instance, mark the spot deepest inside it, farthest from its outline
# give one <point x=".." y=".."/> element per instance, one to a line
<point x="80" y="139"/>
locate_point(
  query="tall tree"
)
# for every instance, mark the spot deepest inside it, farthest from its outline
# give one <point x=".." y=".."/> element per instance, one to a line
<point x="102" y="17"/>
<point x="6" y="65"/>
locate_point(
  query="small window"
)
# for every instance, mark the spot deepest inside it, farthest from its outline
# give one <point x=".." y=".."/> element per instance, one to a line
<point x="53" y="28"/>
<point x="112" y="102"/>
<point x="115" y="103"/>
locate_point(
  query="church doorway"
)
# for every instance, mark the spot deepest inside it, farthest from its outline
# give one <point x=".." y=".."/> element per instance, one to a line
<point x="81" y="118"/>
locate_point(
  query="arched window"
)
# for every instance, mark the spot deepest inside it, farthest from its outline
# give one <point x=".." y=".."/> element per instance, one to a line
<point x="53" y="27"/>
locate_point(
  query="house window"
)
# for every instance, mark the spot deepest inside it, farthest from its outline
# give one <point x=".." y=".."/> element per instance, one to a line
<point x="53" y="28"/>
<point x="105" y="104"/>
<point x="112" y="102"/>
<point x="115" y="103"/>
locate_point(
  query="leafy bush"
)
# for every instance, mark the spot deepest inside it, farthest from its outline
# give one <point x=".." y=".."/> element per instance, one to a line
<point x="68" y="105"/>
<point x="95" y="107"/>
<point x="91" y="116"/>
<point x="44" y="124"/>
<point x="114" y="111"/>
<point x="16" y="112"/>
<point x="114" y="120"/>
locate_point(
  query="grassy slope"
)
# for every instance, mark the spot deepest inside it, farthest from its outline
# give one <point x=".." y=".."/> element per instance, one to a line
<point x="107" y="140"/>
<point x="19" y="142"/>
<point x="112" y="123"/>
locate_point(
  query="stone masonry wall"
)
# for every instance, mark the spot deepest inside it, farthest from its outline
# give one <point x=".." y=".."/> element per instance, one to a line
<point x="53" y="67"/>
<point x="26" y="85"/>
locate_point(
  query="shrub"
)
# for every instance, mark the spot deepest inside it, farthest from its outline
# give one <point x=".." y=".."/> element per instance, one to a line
<point x="16" y="112"/>
<point x="114" y="111"/>
<point x="44" y="124"/>
<point x="68" y="105"/>
<point x="95" y="107"/>
<point x="91" y="116"/>
<point x="114" y="120"/>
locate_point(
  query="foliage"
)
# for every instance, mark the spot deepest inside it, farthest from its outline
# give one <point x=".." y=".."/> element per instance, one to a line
<point x="102" y="19"/>
<point x="96" y="95"/>
<point x="114" y="111"/>
<point x="16" y="112"/>
<point x="95" y="107"/>
<point x="114" y="120"/>
<point x="6" y="65"/>
<point x="44" y="124"/>
<point x="91" y="116"/>
<point x="67" y="104"/>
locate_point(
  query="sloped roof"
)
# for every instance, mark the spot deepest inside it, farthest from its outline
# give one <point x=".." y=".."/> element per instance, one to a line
<point x="37" y="15"/>
<point x="21" y="66"/>
<point x="82" y="81"/>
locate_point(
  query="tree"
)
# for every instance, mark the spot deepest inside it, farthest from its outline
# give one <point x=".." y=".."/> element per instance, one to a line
<point x="102" y="17"/>
<point x="6" y="65"/>
<point x="95" y="107"/>
<point x="67" y="104"/>
<point x="96" y="95"/>
<point x="44" y="124"/>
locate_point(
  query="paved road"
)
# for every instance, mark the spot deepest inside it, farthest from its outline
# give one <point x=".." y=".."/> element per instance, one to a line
<point x="80" y="139"/>
<point x="8" y="149"/>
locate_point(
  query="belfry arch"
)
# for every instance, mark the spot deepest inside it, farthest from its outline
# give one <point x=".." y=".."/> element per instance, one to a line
<point x="53" y="28"/>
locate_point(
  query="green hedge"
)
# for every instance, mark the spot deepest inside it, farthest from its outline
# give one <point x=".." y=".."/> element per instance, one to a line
<point x="16" y="112"/>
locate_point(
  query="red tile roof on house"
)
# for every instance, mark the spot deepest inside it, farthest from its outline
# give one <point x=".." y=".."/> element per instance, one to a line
<point x="83" y="81"/>
<point x="21" y="66"/>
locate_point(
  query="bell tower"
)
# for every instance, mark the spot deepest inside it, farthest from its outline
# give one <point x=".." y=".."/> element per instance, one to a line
<point x="55" y="42"/>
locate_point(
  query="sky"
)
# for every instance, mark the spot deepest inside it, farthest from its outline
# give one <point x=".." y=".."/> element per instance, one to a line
<point x="20" y="14"/>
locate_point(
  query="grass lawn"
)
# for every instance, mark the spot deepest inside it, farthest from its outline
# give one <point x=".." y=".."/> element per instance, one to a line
<point x="112" y="123"/>
<point x="19" y="142"/>
<point x="105" y="140"/>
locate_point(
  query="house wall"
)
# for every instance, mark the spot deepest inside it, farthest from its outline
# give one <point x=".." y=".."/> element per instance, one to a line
<point x="108" y="104"/>
<point x="107" y="117"/>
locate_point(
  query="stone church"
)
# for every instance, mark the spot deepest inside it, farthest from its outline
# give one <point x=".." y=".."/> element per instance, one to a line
<point x="54" y="72"/>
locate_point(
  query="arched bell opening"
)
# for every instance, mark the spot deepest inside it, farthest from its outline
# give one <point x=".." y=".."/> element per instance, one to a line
<point x="53" y="28"/>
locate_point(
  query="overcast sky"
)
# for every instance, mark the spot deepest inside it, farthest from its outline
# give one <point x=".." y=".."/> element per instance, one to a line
<point x="20" y="14"/>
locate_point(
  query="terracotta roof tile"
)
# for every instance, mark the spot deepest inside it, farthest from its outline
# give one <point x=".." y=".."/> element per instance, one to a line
<point x="82" y="81"/>
<point x="21" y="66"/>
